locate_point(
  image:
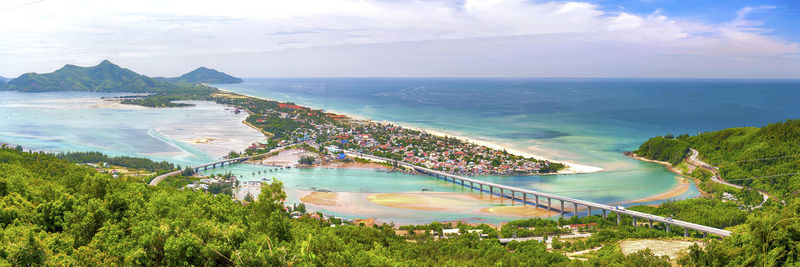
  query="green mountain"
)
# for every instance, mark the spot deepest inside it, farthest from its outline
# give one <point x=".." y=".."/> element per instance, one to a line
<point x="204" y="75"/>
<point x="765" y="158"/>
<point x="105" y="77"/>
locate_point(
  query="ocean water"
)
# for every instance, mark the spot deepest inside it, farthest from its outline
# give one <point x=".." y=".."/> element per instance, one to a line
<point x="82" y="121"/>
<point x="587" y="121"/>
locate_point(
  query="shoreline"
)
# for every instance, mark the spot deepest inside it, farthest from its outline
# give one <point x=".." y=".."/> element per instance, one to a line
<point x="572" y="168"/>
<point x="669" y="166"/>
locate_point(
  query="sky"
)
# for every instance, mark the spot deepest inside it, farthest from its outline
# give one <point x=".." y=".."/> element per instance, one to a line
<point x="449" y="38"/>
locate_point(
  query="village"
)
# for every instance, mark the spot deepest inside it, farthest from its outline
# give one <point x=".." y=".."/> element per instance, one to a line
<point x="332" y="133"/>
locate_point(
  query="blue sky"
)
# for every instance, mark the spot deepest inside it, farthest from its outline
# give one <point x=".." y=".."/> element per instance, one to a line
<point x="784" y="18"/>
<point x="380" y="38"/>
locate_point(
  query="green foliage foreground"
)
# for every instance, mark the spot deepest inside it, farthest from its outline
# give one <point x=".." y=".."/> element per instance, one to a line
<point x="54" y="212"/>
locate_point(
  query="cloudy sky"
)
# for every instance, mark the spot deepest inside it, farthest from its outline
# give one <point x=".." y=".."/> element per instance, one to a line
<point x="450" y="38"/>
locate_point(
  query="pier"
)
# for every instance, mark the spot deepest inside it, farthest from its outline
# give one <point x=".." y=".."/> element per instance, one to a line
<point x="545" y="200"/>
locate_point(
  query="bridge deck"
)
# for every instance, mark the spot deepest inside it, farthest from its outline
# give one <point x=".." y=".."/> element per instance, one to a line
<point x="563" y="199"/>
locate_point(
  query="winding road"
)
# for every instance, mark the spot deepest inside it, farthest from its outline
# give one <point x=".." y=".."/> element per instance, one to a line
<point x="692" y="160"/>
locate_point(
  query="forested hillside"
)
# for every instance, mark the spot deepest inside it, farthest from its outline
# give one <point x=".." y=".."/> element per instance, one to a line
<point x="664" y="149"/>
<point x="124" y="161"/>
<point x="766" y="158"/>
<point x="59" y="213"/>
<point x="204" y="75"/>
<point x="105" y="77"/>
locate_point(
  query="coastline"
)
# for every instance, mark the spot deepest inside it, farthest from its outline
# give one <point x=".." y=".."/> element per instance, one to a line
<point x="669" y="166"/>
<point x="572" y="168"/>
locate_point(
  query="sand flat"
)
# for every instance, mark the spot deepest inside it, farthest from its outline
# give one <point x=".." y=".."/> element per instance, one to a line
<point x="422" y="201"/>
<point x="677" y="190"/>
<point x="519" y="210"/>
<point x="322" y="199"/>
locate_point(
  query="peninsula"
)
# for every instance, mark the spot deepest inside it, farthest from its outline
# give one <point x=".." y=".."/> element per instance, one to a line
<point x="288" y="123"/>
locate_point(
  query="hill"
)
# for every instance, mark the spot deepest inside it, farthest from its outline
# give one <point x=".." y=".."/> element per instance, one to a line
<point x="764" y="158"/>
<point x="204" y="75"/>
<point x="3" y="79"/>
<point x="56" y="213"/>
<point x="105" y="77"/>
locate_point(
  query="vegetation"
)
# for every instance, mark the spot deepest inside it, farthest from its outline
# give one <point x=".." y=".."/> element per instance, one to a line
<point x="664" y="149"/>
<point x="105" y="77"/>
<point x="765" y="158"/>
<point x="703" y="211"/>
<point x="54" y="212"/>
<point x="307" y="160"/>
<point x="124" y="161"/>
<point x="204" y="75"/>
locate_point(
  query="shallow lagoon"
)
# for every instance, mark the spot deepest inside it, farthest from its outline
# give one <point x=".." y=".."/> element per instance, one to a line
<point x="81" y="121"/>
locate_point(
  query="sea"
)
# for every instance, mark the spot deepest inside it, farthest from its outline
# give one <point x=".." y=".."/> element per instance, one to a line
<point x="586" y="121"/>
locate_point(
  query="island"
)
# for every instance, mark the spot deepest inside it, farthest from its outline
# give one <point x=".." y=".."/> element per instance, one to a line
<point x="287" y="123"/>
<point x="203" y="75"/>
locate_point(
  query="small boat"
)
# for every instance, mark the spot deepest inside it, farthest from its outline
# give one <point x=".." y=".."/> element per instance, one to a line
<point x="426" y="189"/>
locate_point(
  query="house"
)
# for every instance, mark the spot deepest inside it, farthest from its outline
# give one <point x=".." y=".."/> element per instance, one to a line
<point x="333" y="148"/>
<point x="407" y="233"/>
<point x="583" y="225"/>
<point x="453" y="231"/>
<point x="290" y="106"/>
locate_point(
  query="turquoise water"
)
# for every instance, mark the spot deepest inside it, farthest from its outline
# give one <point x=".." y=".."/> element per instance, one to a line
<point x="585" y="121"/>
<point x="81" y="121"/>
<point x="588" y="121"/>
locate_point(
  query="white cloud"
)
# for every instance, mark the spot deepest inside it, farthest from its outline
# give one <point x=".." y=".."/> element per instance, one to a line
<point x="44" y="35"/>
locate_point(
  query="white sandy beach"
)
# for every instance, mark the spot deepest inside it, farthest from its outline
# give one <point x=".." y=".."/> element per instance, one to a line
<point x="572" y="168"/>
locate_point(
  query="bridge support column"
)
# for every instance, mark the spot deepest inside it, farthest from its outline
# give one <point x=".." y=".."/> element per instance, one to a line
<point x="590" y="211"/>
<point x="549" y="207"/>
<point x="562" y="208"/>
<point x="501" y="193"/>
<point x="575" y="210"/>
<point x="619" y="218"/>
<point x="667" y="228"/>
<point x="651" y="223"/>
<point x="524" y="199"/>
<point x="685" y="232"/>
<point x="537" y="200"/>
<point x="604" y="214"/>
<point x="634" y="222"/>
<point x="705" y="234"/>
<point x="462" y="182"/>
<point x="491" y="190"/>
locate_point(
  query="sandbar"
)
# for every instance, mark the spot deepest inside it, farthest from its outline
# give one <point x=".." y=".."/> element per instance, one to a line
<point x="322" y="199"/>
<point x="572" y="168"/>
<point x="519" y="210"/>
<point x="420" y="201"/>
<point x="677" y="190"/>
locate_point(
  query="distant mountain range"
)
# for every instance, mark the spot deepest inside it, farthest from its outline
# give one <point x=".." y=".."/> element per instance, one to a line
<point x="203" y="75"/>
<point x="108" y="77"/>
<point x="3" y="79"/>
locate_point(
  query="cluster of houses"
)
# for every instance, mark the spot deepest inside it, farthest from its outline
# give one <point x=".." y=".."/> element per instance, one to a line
<point x="335" y="132"/>
<point x="431" y="151"/>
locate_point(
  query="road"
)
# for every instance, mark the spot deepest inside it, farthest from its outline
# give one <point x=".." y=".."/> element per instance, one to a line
<point x="469" y="182"/>
<point x="692" y="159"/>
<point x="159" y="178"/>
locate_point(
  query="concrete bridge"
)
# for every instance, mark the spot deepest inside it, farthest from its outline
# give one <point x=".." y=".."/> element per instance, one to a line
<point x="545" y="200"/>
<point x="215" y="164"/>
